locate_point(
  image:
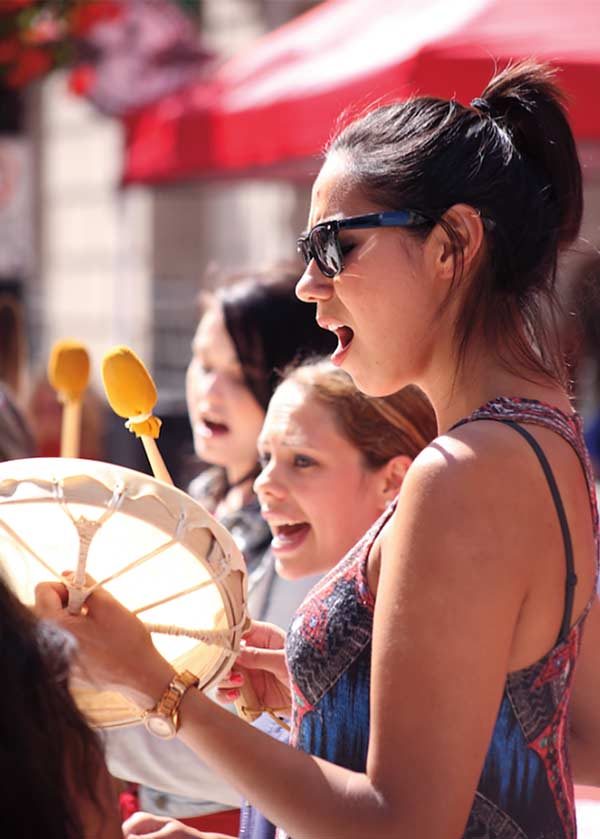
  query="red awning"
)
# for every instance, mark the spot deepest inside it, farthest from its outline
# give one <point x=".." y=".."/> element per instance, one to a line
<point x="274" y="106"/>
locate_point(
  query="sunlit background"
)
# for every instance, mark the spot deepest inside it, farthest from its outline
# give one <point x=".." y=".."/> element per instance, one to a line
<point x="150" y="147"/>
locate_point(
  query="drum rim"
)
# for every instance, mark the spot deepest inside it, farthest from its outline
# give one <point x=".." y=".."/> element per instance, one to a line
<point x="68" y="469"/>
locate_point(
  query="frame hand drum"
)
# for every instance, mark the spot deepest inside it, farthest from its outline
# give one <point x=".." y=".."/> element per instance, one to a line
<point x="161" y="554"/>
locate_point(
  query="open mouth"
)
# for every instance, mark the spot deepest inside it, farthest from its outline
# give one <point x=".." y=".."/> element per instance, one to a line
<point x="288" y="537"/>
<point x="211" y="428"/>
<point x="344" y="335"/>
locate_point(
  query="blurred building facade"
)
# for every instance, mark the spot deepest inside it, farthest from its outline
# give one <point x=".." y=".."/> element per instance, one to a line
<point x="112" y="265"/>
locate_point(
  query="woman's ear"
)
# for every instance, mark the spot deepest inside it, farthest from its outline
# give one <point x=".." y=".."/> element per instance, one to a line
<point x="392" y="476"/>
<point x="468" y="238"/>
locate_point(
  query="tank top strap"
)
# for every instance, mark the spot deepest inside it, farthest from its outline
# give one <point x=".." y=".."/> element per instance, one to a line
<point x="517" y="412"/>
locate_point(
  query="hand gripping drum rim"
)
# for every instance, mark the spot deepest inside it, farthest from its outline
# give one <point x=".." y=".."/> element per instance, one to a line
<point x="194" y="548"/>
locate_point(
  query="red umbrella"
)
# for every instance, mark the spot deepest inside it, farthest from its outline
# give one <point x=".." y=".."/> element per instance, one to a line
<point x="274" y="106"/>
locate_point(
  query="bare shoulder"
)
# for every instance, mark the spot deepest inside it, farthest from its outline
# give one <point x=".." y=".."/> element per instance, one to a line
<point x="473" y="506"/>
<point x="472" y="465"/>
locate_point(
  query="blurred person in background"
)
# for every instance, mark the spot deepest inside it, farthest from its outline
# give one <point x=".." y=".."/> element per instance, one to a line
<point x="16" y="437"/>
<point x="46" y="411"/>
<point x="332" y="461"/>
<point x="248" y="332"/>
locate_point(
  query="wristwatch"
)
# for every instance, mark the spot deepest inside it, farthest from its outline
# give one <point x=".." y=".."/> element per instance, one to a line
<point x="163" y="720"/>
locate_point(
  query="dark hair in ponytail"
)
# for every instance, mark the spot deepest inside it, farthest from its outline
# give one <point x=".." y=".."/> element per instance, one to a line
<point x="510" y="155"/>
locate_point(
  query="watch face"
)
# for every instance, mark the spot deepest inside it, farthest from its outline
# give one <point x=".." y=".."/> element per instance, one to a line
<point x="160" y="726"/>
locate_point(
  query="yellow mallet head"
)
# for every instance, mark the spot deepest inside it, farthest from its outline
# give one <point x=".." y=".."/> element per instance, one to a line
<point x="69" y="369"/>
<point x="130" y="390"/>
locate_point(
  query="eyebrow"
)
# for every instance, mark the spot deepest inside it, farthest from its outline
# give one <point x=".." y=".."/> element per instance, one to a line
<point x="287" y="444"/>
<point x="205" y="350"/>
<point x="338" y="217"/>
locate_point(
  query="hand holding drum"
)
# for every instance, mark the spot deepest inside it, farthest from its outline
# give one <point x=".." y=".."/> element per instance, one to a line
<point x="146" y="543"/>
<point x="132" y="394"/>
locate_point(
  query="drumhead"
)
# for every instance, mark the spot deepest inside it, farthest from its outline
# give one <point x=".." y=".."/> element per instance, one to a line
<point x="159" y="552"/>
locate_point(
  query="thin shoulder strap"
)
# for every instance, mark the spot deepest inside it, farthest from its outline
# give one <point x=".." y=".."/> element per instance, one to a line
<point x="571" y="580"/>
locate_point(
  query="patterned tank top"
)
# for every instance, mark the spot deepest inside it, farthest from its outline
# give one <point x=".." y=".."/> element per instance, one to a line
<point x="525" y="790"/>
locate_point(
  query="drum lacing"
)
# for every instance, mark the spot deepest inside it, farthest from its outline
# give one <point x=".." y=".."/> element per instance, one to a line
<point x="145" y="557"/>
<point x="23" y="544"/>
<point x="216" y="559"/>
<point x="181" y="522"/>
<point x="217" y="578"/>
<point x="213" y="637"/>
<point x="86" y="530"/>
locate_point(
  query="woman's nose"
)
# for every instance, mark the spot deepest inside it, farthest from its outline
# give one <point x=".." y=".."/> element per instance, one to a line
<point x="266" y="483"/>
<point x="313" y="286"/>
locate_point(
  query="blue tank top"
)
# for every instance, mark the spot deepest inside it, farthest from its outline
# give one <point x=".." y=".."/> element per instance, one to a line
<point x="525" y="790"/>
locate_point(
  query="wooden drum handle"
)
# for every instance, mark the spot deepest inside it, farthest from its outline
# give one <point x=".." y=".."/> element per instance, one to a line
<point x="247" y="706"/>
<point x="70" y="428"/>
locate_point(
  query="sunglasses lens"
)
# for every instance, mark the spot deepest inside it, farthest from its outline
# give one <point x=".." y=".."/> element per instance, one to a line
<point x="304" y="250"/>
<point x="326" y="249"/>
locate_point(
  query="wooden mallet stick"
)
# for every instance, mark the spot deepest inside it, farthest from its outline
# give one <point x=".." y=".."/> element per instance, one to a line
<point x="132" y="395"/>
<point x="69" y="373"/>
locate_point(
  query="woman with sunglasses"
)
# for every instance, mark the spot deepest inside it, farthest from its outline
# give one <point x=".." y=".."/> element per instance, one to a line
<point x="434" y="688"/>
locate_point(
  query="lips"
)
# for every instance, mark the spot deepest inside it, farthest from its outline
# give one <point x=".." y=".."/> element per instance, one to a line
<point x="343" y="333"/>
<point x="288" y="537"/>
<point x="206" y="427"/>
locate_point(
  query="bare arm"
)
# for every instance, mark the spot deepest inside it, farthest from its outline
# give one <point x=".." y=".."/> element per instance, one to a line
<point x="447" y="605"/>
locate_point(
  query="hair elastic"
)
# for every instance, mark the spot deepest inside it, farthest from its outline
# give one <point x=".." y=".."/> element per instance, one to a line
<point x="481" y="105"/>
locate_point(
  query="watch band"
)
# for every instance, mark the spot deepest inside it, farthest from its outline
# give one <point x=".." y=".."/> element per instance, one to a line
<point x="166" y="710"/>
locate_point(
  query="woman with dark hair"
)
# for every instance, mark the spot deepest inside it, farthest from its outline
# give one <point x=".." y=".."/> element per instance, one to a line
<point x="54" y="780"/>
<point x="248" y="332"/>
<point x="434" y="688"/>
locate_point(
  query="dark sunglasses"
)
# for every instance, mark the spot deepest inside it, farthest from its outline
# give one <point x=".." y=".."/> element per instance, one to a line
<point x="323" y="245"/>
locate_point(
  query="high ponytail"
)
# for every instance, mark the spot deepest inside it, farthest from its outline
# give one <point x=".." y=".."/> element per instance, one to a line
<point x="525" y="100"/>
<point x="511" y="156"/>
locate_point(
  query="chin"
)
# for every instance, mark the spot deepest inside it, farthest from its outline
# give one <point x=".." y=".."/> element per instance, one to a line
<point x="211" y="455"/>
<point x="374" y="381"/>
<point x="290" y="569"/>
<point x="374" y="386"/>
<point x="202" y="451"/>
